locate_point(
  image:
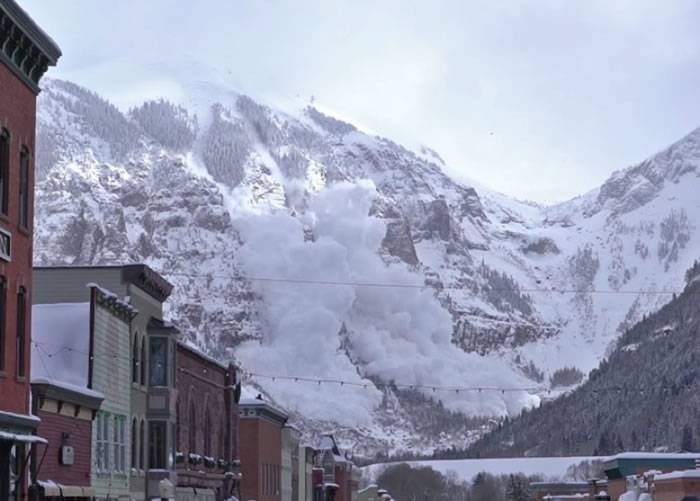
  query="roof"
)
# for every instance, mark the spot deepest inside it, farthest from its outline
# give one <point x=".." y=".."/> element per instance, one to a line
<point x="59" y="390"/>
<point x="32" y="30"/>
<point x="631" y="463"/>
<point x="24" y="47"/>
<point x="160" y="325"/>
<point x="692" y="473"/>
<point x="184" y="345"/>
<point x="266" y="410"/>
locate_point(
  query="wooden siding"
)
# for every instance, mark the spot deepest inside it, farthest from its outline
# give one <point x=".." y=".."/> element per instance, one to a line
<point x="112" y="377"/>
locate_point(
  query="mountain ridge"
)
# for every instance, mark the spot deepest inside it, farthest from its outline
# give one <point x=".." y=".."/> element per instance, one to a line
<point x="511" y="286"/>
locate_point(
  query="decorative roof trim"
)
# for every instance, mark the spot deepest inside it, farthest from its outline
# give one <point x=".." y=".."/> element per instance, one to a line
<point x="24" y="47"/>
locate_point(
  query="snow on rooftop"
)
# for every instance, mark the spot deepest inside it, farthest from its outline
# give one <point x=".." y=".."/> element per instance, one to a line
<point x="67" y="386"/>
<point x="61" y="347"/>
<point x="694" y="473"/>
<point x="654" y="455"/>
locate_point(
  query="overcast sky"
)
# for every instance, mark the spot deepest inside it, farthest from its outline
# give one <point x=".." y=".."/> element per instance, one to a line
<point x="538" y="99"/>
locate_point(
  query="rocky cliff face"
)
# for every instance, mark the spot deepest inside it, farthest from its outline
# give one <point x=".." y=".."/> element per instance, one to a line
<point x="220" y="195"/>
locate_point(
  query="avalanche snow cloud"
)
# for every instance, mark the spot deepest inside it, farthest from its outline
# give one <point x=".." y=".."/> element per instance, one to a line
<point x="354" y="332"/>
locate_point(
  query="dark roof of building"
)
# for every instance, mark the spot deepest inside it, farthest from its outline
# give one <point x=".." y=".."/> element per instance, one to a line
<point x="159" y="325"/>
<point x="36" y="50"/>
<point x="150" y="281"/>
<point x="182" y="345"/>
<point x="631" y="463"/>
<point x="264" y="409"/>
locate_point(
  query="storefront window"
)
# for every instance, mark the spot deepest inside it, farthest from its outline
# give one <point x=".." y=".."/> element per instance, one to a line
<point x="157" y="438"/>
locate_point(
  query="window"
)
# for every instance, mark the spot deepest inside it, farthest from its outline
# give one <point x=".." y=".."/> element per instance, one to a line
<point x="21" y="324"/>
<point x="207" y="434"/>
<point x="143" y="360"/>
<point x="119" y="444"/>
<point x="158" y="362"/>
<point x="4" y="170"/>
<point x="3" y="320"/>
<point x="135" y="360"/>
<point x="24" y="188"/>
<point x="157" y="439"/>
<point x="102" y="442"/>
<point x="134" y="445"/>
<point x="142" y="443"/>
<point x="193" y="429"/>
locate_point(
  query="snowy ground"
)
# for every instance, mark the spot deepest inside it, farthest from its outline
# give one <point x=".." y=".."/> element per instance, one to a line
<point x="467" y="469"/>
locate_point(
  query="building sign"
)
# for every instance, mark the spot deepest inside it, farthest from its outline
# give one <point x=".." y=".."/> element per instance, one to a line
<point x="5" y="245"/>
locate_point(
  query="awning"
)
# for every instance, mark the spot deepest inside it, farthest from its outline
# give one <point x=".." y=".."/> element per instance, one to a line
<point x="19" y="437"/>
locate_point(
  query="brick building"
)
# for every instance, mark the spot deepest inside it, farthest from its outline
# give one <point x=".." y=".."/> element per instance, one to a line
<point x="335" y="476"/>
<point x="618" y="469"/>
<point x="261" y="450"/>
<point x="26" y="52"/>
<point x="63" y="465"/>
<point x="207" y="427"/>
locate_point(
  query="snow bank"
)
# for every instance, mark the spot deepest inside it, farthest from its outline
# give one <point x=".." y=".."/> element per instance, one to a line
<point x="394" y="334"/>
<point x="61" y="335"/>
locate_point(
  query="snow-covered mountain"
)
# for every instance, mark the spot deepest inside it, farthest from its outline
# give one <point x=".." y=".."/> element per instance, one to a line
<point x="426" y="281"/>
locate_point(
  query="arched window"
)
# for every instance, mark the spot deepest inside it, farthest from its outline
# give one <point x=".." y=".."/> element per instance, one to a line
<point x="134" y="445"/>
<point x="3" y="320"/>
<point x="223" y="442"/>
<point x="4" y="170"/>
<point x="193" y="429"/>
<point x="142" y="442"/>
<point x="135" y="359"/>
<point x="207" y="434"/>
<point x="21" y="331"/>
<point x="143" y="360"/>
<point x="24" y="158"/>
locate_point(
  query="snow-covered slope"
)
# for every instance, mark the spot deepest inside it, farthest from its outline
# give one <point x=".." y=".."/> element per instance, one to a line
<point x="217" y="191"/>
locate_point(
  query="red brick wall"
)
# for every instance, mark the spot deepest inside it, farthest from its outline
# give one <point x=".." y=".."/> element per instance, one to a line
<point x="52" y="428"/>
<point x="206" y="387"/>
<point x="17" y="115"/>
<point x="261" y="444"/>
<point x="343" y="481"/>
<point x="204" y="384"/>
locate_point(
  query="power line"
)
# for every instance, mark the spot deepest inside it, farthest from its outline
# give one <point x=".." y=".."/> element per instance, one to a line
<point x="366" y="385"/>
<point x="388" y="285"/>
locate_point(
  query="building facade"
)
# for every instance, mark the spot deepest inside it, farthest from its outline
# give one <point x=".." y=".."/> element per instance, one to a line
<point x="337" y="482"/>
<point x="207" y="427"/>
<point x="63" y="465"/>
<point x="261" y="450"/>
<point x="26" y="52"/>
<point x="148" y="355"/>
<point x="629" y="465"/>
<point x="306" y="465"/>
<point x="290" y="463"/>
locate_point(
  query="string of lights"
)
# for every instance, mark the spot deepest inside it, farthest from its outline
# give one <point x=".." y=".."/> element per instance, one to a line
<point x="319" y="381"/>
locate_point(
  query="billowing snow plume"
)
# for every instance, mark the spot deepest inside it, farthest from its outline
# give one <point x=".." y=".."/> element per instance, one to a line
<point x="350" y="332"/>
